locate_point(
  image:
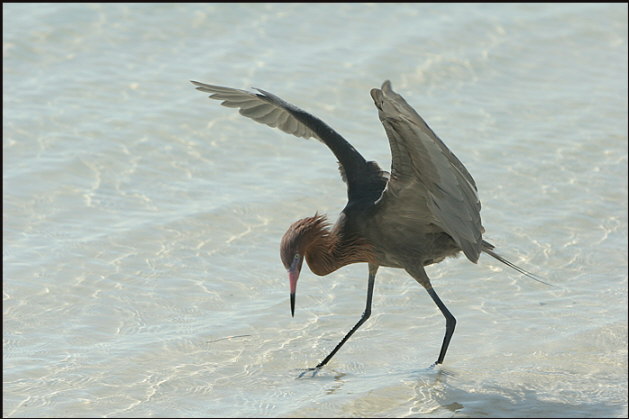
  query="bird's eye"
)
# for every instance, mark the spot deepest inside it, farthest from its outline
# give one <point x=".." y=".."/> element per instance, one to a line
<point x="296" y="256"/>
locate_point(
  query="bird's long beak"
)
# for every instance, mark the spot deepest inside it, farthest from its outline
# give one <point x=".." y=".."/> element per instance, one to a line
<point x="293" y="275"/>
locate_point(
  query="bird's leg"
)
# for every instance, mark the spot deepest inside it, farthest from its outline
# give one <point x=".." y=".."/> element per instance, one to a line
<point x="372" y="278"/>
<point x="420" y="276"/>
<point x="450" y="324"/>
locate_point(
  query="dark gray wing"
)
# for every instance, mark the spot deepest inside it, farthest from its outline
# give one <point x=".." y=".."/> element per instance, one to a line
<point x="266" y="108"/>
<point x="428" y="183"/>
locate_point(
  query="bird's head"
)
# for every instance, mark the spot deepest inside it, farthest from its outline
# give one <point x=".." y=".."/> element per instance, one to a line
<point x="295" y="243"/>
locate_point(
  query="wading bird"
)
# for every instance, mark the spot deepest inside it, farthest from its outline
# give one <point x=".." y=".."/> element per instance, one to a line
<point x="423" y="211"/>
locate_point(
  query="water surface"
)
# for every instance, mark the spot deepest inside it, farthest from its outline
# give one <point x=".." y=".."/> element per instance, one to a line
<point x="141" y="221"/>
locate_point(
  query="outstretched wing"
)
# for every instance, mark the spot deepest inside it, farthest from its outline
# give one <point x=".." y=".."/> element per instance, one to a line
<point x="266" y="108"/>
<point x="262" y="107"/>
<point x="427" y="182"/>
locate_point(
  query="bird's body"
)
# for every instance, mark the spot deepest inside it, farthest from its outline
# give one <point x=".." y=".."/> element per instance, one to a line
<point x="424" y="210"/>
<point x="389" y="243"/>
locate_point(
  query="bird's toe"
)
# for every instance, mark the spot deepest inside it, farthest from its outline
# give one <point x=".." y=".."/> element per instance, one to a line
<point x="314" y="372"/>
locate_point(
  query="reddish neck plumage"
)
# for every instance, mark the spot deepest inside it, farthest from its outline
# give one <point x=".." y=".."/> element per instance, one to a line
<point x="327" y="250"/>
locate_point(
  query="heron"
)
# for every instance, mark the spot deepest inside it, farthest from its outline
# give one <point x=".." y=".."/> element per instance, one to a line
<point x="424" y="210"/>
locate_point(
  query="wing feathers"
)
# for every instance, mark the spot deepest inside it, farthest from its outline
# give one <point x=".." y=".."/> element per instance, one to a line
<point x="268" y="109"/>
<point x="427" y="183"/>
<point x="262" y="107"/>
<point x="422" y="162"/>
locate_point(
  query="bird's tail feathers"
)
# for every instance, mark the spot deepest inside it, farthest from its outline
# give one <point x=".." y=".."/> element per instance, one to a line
<point x="489" y="249"/>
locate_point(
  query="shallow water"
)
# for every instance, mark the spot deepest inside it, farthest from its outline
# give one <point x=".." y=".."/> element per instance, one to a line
<point x="141" y="221"/>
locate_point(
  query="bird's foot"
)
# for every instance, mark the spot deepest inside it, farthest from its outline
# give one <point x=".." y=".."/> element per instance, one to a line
<point x="441" y="370"/>
<point x="314" y="371"/>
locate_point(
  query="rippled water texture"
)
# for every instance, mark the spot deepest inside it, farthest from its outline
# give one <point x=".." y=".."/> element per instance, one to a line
<point x="141" y="221"/>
